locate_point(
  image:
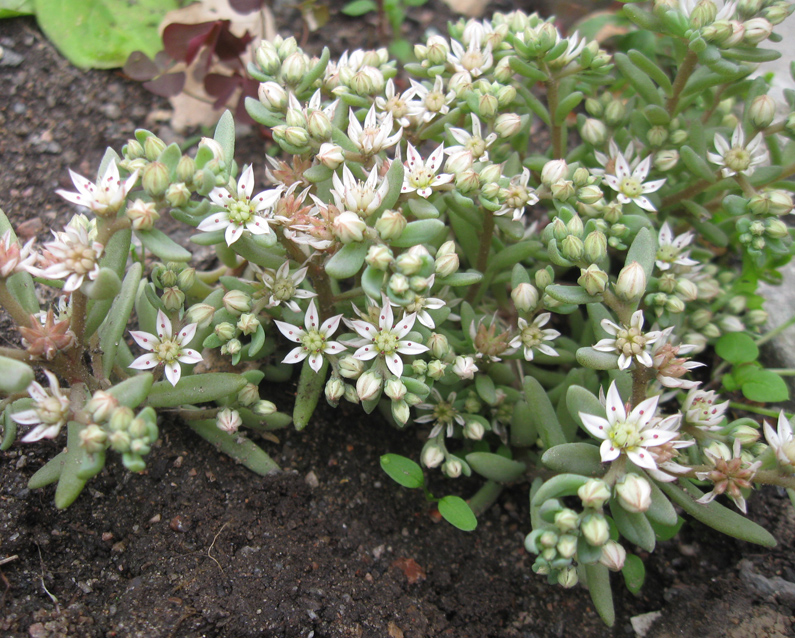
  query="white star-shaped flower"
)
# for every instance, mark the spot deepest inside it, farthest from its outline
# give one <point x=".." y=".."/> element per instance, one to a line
<point x="166" y="348"/>
<point x="314" y="340"/>
<point x="240" y="211"/>
<point x="781" y="440"/>
<point x="72" y="256"/>
<point x="472" y="142"/>
<point x="628" y="342"/>
<point x="739" y="158"/>
<point x="671" y="250"/>
<point x="385" y="339"/>
<point x="532" y="337"/>
<point x="49" y="414"/>
<point x="630" y="184"/>
<point x="519" y="195"/>
<point x="631" y="434"/>
<point x="475" y="59"/>
<point x="420" y="175"/>
<point x="442" y="414"/>
<point x="362" y="198"/>
<point x="104" y="197"/>
<point x="284" y="287"/>
<point x="372" y="137"/>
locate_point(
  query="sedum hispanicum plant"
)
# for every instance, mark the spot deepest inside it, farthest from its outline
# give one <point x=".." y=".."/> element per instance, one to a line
<point x="541" y="254"/>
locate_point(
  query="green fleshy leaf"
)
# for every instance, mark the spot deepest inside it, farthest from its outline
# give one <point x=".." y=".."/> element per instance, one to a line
<point x="634" y="526"/>
<point x="402" y="470"/>
<point x="69" y="483"/>
<point x="423" y="231"/>
<point x="101" y="34"/>
<point x="347" y="261"/>
<point x="243" y="450"/>
<point x="523" y="430"/>
<point x="638" y="79"/>
<point x="495" y="467"/>
<point x="315" y="72"/>
<point x="543" y="413"/>
<point x="133" y="391"/>
<point x="15" y="8"/>
<point x="15" y="376"/>
<point x="457" y="512"/>
<point x="597" y="578"/>
<point x="261" y="114"/>
<point x="394" y="177"/>
<point x="485" y="389"/>
<point x="111" y="332"/>
<point x="468" y="278"/>
<point x="660" y="511"/>
<point x="192" y="389"/>
<point x="421" y="208"/>
<point x="570" y="294"/>
<point x="225" y="136"/>
<point x="597" y="360"/>
<point x="105" y="286"/>
<point x="576" y="458"/>
<point x="162" y="246"/>
<point x="310" y="387"/>
<point x="359" y="8"/>
<point x="634" y="573"/>
<point x="9" y="430"/>
<point x="644" y="251"/>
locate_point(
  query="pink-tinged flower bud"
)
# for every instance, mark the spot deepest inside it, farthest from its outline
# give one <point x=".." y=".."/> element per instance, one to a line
<point x="267" y="58"/>
<point x="554" y="171"/>
<point x="390" y="225"/>
<point x="686" y="289"/>
<point x="142" y="215"/>
<point x="272" y="96"/>
<point x="101" y="406"/>
<point x="153" y="147"/>
<point x="395" y="389"/>
<point x="351" y="368"/>
<point x="248" y="323"/>
<point x="595" y="245"/>
<point x="474" y="430"/>
<point x="177" y="195"/>
<point x="464" y="367"/>
<point x="119" y="441"/>
<point x="757" y="30"/>
<point x="400" y="412"/>
<point x="594" y="493"/>
<point x="335" y="390"/>
<point x="562" y="190"/>
<point x="593" y="279"/>
<point x="631" y="283"/>
<point x="459" y="162"/>
<point x="348" y="227"/>
<point x="248" y="395"/>
<point x="487" y="106"/>
<point x="155" y="179"/>
<point x="93" y="438"/>
<point x="418" y="283"/>
<point x="467" y="181"/>
<point x="613" y="556"/>
<point x="432" y="455"/>
<point x="568" y="577"/>
<point x="264" y="408"/>
<point x="757" y="317"/>
<point x="595" y="529"/>
<point x="436" y="369"/>
<point x="543" y="278"/>
<point x="525" y="297"/>
<point x="452" y="468"/>
<point x="776" y="229"/>
<point x="572" y="248"/>
<point x="746" y="435"/>
<point x="437" y="50"/>
<point x="674" y="305"/>
<point x="703" y="13"/>
<point x="567" y="545"/>
<point x="777" y="12"/>
<point x="350" y="394"/>
<point x="590" y="194"/>
<point x="330" y="155"/>
<point x="762" y="111"/>
<point x="228" y="420"/>
<point x="133" y="150"/>
<point x="368" y="385"/>
<point x="634" y="493"/>
<point x="447" y="264"/>
<point x="295" y="117"/>
<point x="294" y="68"/>
<point x="593" y="131"/>
<point x="379" y="257"/>
<point x="491" y="174"/>
<point x="237" y="302"/>
<point x="319" y="126"/>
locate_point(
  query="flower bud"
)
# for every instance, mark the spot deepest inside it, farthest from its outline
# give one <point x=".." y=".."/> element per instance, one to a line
<point x="595" y="529"/>
<point x="153" y="147"/>
<point x="590" y="194"/>
<point x="142" y="215"/>
<point x="554" y="171"/>
<point x="567" y="520"/>
<point x="173" y="298"/>
<point x="438" y="345"/>
<point x="567" y="546"/>
<point x="436" y="369"/>
<point x="419" y="284"/>
<point x="776" y="229"/>
<point x="615" y="112"/>
<point x="155" y="179"/>
<point x="777" y="12"/>
<point x="294" y="68"/>
<point x="543" y="278"/>
<point x="446" y="264"/>
<point x="464" y="367"/>
<point x="133" y="150"/>
<point x="452" y="468"/>
<point x="594" y="493"/>
<point x="657" y="135"/>
<point x="437" y="50"/>
<point x="746" y="435"/>
<point x="319" y="126"/>
<point x="102" y="405"/>
<point x="595" y="246"/>
<point x="408" y="263"/>
<point x="395" y="389"/>
<point x="350" y="394"/>
<point x="686" y="289"/>
<point x="459" y="162"/>
<point x="369" y="385"/>
<point x="295" y="117"/>
<point x="634" y="493"/>
<point x="267" y="58"/>
<point x="351" y="368"/>
<point x="487" y="106"/>
<point x="264" y="408"/>
<point x="507" y="125"/>
<point x="248" y="323"/>
<point x="757" y="317"/>
<point x="335" y="389"/>
<point x="120" y="419"/>
<point x="731" y="324"/>
<point x="593" y="279"/>
<point x="379" y="257"/>
<point x="525" y="297"/>
<point x="762" y="111"/>
<point x="272" y="96"/>
<point x="348" y="227"/>
<point x="228" y="420"/>
<point x="237" y="302"/>
<point x="580" y="176"/>
<point x="631" y="283"/>
<point x="119" y="441"/>
<point x="757" y="30"/>
<point x="593" y="131"/>
<point x="232" y="347"/>
<point x="562" y="190"/>
<point x="666" y="160"/>
<point x="390" y="225"/>
<point x="613" y="556"/>
<point x="572" y="248"/>
<point x="93" y="438"/>
<point x="330" y="155"/>
<point x="177" y="195"/>
<point x="399" y="284"/>
<point x="432" y="455"/>
<point x="225" y="331"/>
<point x="674" y="305"/>
<point x="474" y="430"/>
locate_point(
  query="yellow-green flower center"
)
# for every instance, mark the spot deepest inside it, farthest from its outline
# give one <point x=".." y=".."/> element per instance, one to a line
<point x="167" y="350"/>
<point x="630" y="341"/>
<point x="624" y="434"/>
<point x="386" y="341"/>
<point x="313" y="341"/>
<point x="283" y="289"/>
<point x="240" y="212"/>
<point x="531" y="336"/>
<point x="631" y="187"/>
<point x="738" y="159"/>
<point x="444" y="412"/>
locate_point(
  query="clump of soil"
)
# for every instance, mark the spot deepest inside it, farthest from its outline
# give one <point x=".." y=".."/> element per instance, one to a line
<point x="198" y="546"/>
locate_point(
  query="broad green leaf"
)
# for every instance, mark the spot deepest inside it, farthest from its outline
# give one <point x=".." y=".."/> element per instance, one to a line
<point x="457" y="512"/>
<point x="570" y="294"/>
<point x="638" y="79"/>
<point x="495" y="467"/>
<point x="15" y="376"/>
<point x="192" y="389"/>
<point x="484" y="386"/>
<point x="737" y="347"/>
<point x="225" y="136"/>
<point x="14" y="8"/>
<point x="105" y="286"/>
<point x="597" y="578"/>
<point x="660" y="511"/>
<point x="161" y="245"/>
<point x="101" y="34"/>
<point x="419" y="232"/>
<point x="634" y="572"/>
<point x="243" y="450"/>
<point x="716" y="515"/>
<point x="69" y="483"/>
<point x="402" y="470"/>
<point x="644" y="251"/>
<point x="597" y="360"/>
<point x="421" y="208"/>
<point x="765" y="386"/>
<point x="359" y="8"/>
<point x="523" y="430"/>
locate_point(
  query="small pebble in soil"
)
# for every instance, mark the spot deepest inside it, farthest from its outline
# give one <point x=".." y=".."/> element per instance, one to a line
<point x="179" y="524"/>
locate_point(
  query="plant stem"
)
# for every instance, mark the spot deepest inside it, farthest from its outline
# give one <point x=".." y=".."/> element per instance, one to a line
<point x="485" y="497"/>
<point x="556" y="131"/>
<point x="483" y="253"/>
<point x="682" y="76"/>
<point x="318" y="276"/>
<point x="783" y="372"/>
<point x="687" y="193"/>
<point x="15" y="353"/>
<point x="771" y="334"/>
<point x="770" y="477"/>
<point x="756" y="409"/>
<point x="12" y="306"/>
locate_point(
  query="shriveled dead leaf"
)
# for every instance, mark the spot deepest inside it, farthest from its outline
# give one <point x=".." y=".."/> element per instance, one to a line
<point x="412" y="570"/>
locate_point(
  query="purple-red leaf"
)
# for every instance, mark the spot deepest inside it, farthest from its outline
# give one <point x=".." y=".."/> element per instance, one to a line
<point x="221" y="87"/>
<point x="229" y="46"/>
<point x="246" y="6"/>
<point x="183" y="41"/>
<point x="139" y="67"/>
<point x="167" y="85"/>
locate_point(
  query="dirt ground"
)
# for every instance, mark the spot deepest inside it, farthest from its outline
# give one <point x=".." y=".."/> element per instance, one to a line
<point x="198" y="546"/>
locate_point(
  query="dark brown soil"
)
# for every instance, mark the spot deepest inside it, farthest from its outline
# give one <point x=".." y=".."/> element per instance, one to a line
<point x="198" y="546"/>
